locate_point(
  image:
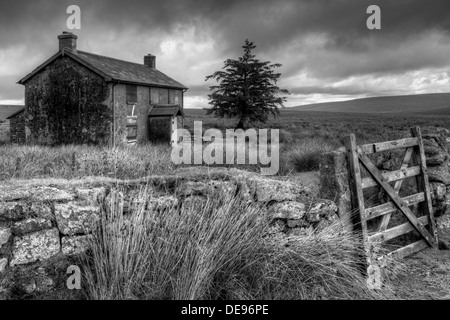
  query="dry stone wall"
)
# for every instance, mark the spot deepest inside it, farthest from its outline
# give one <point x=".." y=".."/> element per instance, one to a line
<point x="43" y="223"/>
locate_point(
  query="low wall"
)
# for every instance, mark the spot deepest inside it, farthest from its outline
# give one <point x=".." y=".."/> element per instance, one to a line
<point x="41" y="225"/>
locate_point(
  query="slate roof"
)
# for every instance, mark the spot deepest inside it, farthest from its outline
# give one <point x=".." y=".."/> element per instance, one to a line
<point x="115" y="69"/>
<point x="16" y="113"/>
<point x="162" y="110"/>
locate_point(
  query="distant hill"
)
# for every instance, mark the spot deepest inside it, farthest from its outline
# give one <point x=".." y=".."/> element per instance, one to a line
<point x="438" y="104"/>
<point x="7" y="110"/>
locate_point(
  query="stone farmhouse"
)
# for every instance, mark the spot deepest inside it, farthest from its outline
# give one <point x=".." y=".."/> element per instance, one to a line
<point x="84" y="98"/>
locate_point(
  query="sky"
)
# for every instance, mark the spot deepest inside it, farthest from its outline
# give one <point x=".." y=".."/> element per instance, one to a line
<point x="325" y="48"/>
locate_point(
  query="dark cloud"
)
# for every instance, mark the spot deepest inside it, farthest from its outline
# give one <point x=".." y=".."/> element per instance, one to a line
<point x="325" y="39"/>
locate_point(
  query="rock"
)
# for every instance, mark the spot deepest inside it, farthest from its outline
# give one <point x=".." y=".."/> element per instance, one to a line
<point x="91" y="196"/>
<point x="436" y="160"/>
<point x="439" y="174"/>
<point x="321" y="210"/>
<point x="444" y="245"/>
<point x="438" y="191"/>
<point x="13" y="194"/>
<point x="297" y="223"/>
<point x="191" y="188"/>
<point x="5" y="235"/>
<point x="3" y="264"/>
<point x="41" y="210"/>
<point x="443" y="222"/>
<point x="195" y="202"/>
<point x="273" y="190"/>
<point x="36" y="246"/>
<point x="31" y="225"/>
<point x="288" y="210"/>
<point x="30" y="286"/>
<point x="163" y="203"/>
<point x="75" y="219"/>
<point x="12" y="210"/>
<point x="75" y="245"/>
<point x="50" y="194"/>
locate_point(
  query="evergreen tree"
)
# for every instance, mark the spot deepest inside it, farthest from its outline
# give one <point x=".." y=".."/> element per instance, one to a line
<point x="246" y="89"/>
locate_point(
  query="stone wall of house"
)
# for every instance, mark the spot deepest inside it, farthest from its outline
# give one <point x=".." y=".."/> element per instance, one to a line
<point x="17" y="128"/>
<point x="42" y="224"/>
<point x="67" y="103"/>
<point x="334" y="173"/>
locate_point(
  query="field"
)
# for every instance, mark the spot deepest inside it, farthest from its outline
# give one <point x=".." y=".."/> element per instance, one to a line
<point x="432" y="104"/>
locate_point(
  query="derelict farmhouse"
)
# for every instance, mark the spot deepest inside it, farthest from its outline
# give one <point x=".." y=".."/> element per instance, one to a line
<point x="81" y="97"/>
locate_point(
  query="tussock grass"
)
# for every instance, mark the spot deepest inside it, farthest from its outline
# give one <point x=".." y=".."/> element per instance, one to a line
<point x="305" y="155"/>
<point x="223" y="249"/>
<point x="78" y="161"/>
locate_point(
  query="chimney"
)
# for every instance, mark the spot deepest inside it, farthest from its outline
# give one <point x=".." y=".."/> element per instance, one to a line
<point x="150" y="61"/>
<point x="68" y="40"/>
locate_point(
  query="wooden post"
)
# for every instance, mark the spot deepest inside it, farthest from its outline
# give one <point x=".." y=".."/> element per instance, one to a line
<point x="357" y="197"/>
<point x="423" y="184"/>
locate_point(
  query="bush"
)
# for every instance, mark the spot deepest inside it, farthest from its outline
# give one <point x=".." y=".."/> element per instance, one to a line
<point x="221" y="250"/>
<point x="305" y="155"/>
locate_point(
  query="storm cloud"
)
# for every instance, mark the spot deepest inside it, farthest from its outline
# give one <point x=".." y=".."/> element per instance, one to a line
<point x="325" y="48"/>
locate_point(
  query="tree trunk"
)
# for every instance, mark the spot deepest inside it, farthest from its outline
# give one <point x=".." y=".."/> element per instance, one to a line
<point x="242" y="124"/>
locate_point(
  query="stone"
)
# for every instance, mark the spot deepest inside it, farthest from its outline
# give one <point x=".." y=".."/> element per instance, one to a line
<point x="195" y="202"/>
<point x="288" y="210"/>
<point x="5" y="235"/>
<point x="439" y="174"/>
<point x="438" y="191"/>
<point x="297" y="223"/>
<point x="73" y="219"/>
<point x="50" y="194"/>
<point x="92" y="196"/>
<point x="191" y="188"/>
<point x="31" y="225"/>
<point x="13" y="194"/>
<point x="163" y="203"/>
<point x="436" y="160"/>
<point x="3" y="265"/>
<point x="12" y="210"/>
<point x="267" y="190"/>
<point x="75" y="245"/>
<point x="36" y="246"/>
<point x="41" y="210"/>
<point x="321" y="210"/>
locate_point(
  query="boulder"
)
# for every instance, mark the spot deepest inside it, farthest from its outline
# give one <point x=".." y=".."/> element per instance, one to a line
<point x="91" y="196"/>
<point x="438" y="191"/>
<point x="267" y="190"/>
<point x="3" y="265"/>
<point x="163" y="203"/>
<point x="50" y="194"/>
<point x="31" y="225"/>
<point x="288" y="210"/>
<point x="321" y="210"/>
<point x="75" y="219"/>
<point x="75" y="245"/>
<point x="36" y="246"/>
<point x="439" y="174"/>
<point x="12" y="210"/>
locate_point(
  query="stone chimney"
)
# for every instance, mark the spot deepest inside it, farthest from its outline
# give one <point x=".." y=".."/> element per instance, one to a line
<point x="68" y="40"/>
<point x="150" y="61"/>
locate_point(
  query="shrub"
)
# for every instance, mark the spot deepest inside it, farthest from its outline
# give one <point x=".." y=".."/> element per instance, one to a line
<point x="223" y="249"/>
<point x="305" y="155"/>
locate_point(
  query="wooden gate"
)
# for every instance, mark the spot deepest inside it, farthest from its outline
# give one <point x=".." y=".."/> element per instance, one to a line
<point x="391" y="182"/>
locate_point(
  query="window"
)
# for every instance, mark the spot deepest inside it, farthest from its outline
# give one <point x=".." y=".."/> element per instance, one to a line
<point x="131" y="94"/>
<point x="131" y="122"/>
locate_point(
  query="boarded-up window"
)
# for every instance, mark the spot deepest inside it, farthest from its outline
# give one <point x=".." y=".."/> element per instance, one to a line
<point x="163" y="96"/>
<point x="131" y="94"/>
<point x="131" y="122"/>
